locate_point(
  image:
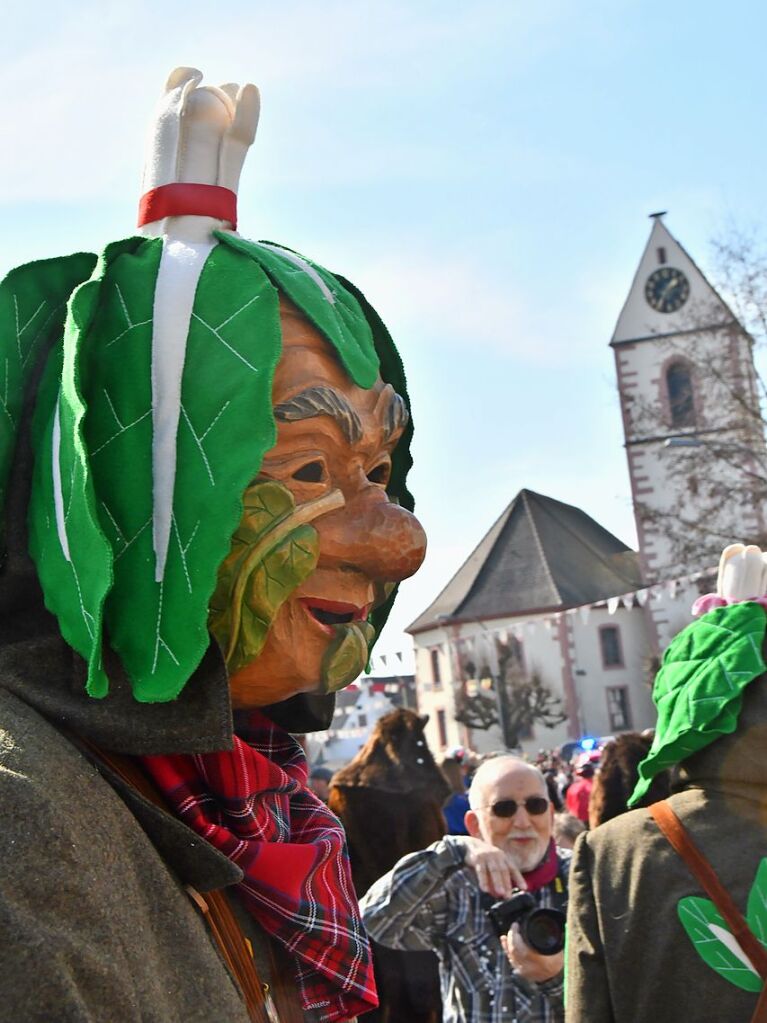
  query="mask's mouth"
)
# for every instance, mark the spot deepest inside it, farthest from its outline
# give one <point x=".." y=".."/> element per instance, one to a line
<point x="328" y="613"/>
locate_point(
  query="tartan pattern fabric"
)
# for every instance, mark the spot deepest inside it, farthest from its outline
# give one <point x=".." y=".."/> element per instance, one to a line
<point x="431" y="901"/>
<point x="252" y="804"/>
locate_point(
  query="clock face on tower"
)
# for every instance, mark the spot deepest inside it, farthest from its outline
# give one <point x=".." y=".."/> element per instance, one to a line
<point x="667" y="289"/>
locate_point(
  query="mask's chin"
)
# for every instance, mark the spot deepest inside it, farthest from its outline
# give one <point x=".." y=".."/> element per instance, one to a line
<point x="344" y="659"/>
<point x="347" y="655"/>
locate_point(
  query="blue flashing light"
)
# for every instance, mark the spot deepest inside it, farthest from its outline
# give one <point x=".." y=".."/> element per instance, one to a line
<point x="588" y="744"/>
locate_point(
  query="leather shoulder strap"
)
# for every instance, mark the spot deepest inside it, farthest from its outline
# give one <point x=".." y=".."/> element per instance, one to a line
<point x="701" y="869"/>
<point x="214" y="906"/>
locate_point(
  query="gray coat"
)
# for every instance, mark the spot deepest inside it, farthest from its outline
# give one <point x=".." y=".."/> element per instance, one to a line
<point x="94" y="922"/>
<point x="628" y="955"/>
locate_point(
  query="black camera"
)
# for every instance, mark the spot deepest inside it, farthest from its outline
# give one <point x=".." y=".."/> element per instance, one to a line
<point x="542" y="929"/>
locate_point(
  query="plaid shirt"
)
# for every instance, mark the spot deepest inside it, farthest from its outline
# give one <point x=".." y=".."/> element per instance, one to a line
<point x="431" y="901"/>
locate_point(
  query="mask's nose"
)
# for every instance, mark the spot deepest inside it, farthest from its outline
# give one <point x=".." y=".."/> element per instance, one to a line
<point x="369" y="533"/>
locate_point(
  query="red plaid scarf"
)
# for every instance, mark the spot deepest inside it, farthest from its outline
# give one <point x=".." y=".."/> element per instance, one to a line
<point x="253" y="805"/>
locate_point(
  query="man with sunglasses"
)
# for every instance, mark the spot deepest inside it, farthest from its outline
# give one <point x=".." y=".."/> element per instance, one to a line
<point x="438" y="899"/>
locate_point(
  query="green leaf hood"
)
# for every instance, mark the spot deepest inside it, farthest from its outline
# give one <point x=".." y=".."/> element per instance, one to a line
<point x="699" y="688"/>
<point x="114" y="567"/>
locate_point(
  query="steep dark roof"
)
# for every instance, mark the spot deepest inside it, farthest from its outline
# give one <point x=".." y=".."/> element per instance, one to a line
<point x="541" y="554"/>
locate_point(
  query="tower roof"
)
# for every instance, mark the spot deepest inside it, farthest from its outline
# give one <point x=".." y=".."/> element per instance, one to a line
<point x="539" y="555"/>
<point x="703" y="308"/>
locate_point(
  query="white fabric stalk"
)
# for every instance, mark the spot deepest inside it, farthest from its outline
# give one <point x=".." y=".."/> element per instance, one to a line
<point x="180" y="268"/>
<point x="199" y="136"/>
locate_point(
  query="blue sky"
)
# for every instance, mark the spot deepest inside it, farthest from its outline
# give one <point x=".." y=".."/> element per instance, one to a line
<point x="483" y="171"/>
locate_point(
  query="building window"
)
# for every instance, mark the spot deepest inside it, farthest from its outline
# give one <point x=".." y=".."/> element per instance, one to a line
<point x="618" y="708"/>
<point x="442" y="728"/>
<point x="680" y="397"/>
<point x="436" y="678"/>
<point x="362" y="720"/>
<point x="610" y="644"/>
<point x="661" y="255"/>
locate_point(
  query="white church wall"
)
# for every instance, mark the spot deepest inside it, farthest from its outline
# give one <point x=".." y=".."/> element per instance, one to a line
<point x="668" y="476"/>
<point x="672" y="467"/>
<point x="435" y="695"/>
<point x="542" y="653"/>
<point x="597" y="679"/>
<point x="672" y="608"/>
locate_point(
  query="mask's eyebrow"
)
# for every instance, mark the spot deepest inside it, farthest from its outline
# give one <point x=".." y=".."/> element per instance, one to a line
<point x="396" y="415"/>
<point x="321" y="401"/>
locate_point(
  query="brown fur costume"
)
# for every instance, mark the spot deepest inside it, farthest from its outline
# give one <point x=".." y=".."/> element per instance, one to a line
<point x="617" y="777"/>
<point x="389" y="799"/>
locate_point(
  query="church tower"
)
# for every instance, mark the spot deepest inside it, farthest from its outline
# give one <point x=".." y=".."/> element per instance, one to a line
<point x="694" y="434"/>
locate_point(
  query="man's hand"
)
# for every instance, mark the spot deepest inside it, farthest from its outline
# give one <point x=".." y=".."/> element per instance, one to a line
<point x="497" y="874"/>
<point x="528" y="963"/>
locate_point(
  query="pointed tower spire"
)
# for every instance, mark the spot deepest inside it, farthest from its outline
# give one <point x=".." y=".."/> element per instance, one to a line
<point x="693" y="433"/>
<point x="669" y="293"/>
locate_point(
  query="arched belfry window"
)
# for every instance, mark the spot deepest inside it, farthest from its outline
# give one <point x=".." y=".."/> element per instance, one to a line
<point x="680" y="396"/>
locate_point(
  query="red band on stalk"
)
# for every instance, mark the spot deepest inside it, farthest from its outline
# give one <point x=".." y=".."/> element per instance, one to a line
<point x="181" y="199"/>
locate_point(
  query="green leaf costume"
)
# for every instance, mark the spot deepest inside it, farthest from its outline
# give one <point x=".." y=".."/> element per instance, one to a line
<point x="93" y="510"/>
<point x="698" y="690"/>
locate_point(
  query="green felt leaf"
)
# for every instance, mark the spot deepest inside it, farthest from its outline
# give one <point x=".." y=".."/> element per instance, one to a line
<point x="159" y="628"/>
<point x="272" y="553"/>
<point x="33" y="307"/>
<point x="698" y="690"/>
<point x="323" y="300"/>
<point x="714" y="944"/>
<point x="73" y="557"/>
<point x="756" y="913"/>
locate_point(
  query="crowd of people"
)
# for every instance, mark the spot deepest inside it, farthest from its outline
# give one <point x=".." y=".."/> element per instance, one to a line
<point x="510" y="824"/>
<point x="539" y="852"/>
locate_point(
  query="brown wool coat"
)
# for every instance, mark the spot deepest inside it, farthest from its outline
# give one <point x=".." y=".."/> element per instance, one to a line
<point x="629" y="959"/>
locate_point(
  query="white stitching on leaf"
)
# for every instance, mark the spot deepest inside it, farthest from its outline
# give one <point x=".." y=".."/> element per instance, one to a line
<point x="133" y="539"/>
<point x="215" y="332"/>
<point x="183" y="549"/>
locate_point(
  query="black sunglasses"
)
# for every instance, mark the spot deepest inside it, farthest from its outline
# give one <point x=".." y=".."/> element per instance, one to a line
<point x="535" y="806"/>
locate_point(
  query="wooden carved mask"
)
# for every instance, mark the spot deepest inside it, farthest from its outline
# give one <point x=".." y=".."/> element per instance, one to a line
<point x="320" y="543"/>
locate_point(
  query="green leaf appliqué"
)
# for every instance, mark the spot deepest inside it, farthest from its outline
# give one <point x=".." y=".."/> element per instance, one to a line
<point x="160" y="628"/>
<point x="321" y="297"/>
<point x="33" y="307"/>
<point x="72" y="554"/>
<point x="715" y="944"/>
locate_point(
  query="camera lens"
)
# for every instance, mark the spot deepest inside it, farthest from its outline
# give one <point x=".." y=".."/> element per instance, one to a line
<point x="544" y="931"/>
